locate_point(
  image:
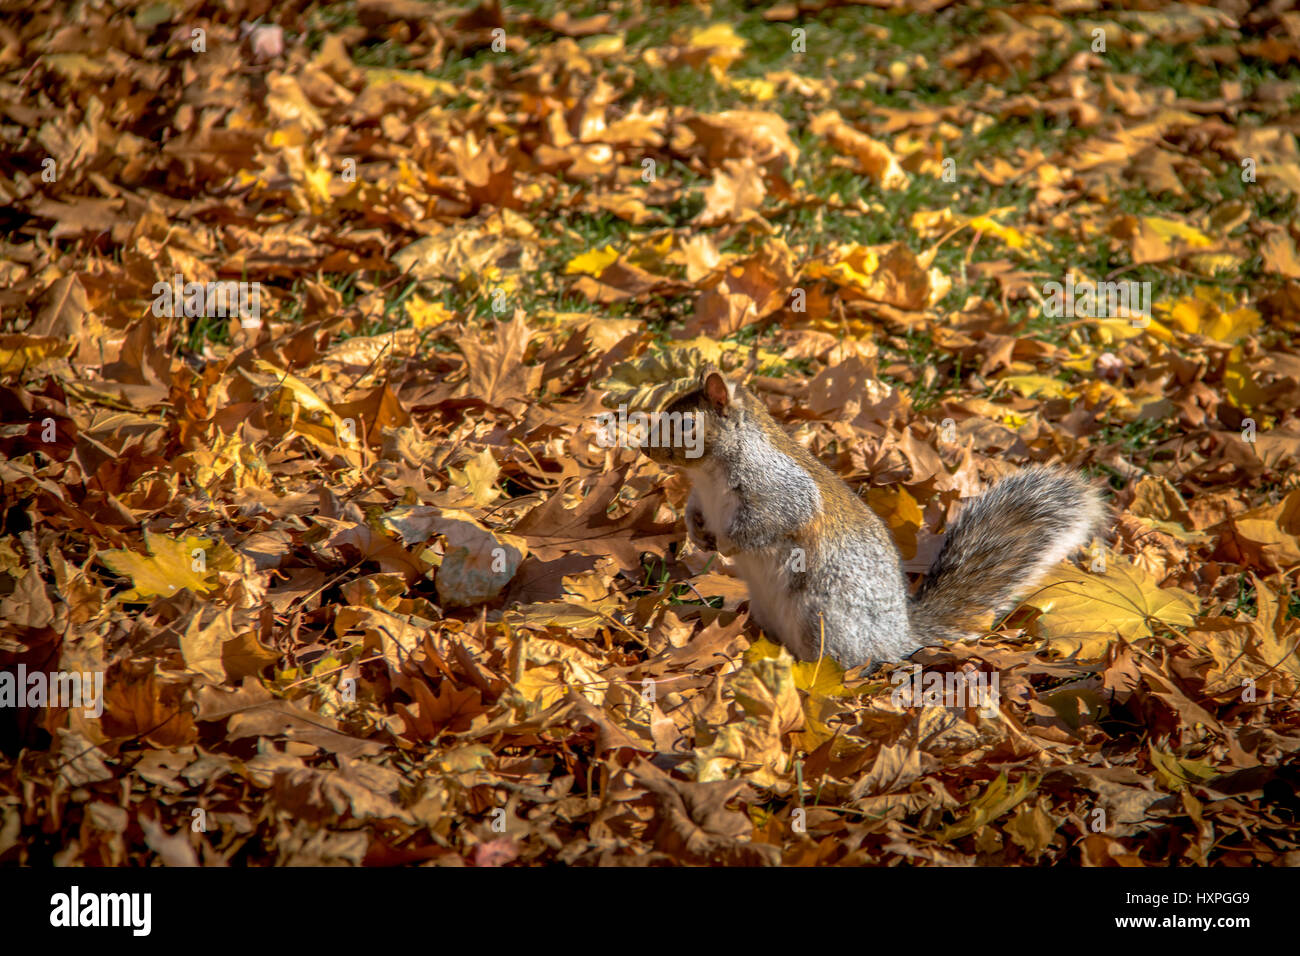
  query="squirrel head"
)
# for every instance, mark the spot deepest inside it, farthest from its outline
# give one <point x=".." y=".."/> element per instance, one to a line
<point x="686" y="431"/>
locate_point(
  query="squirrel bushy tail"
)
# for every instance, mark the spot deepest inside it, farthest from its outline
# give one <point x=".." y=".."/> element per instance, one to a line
<point x="1000" y="545"/>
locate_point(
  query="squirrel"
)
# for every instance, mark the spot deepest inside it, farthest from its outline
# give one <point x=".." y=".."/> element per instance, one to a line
<point x="823" y="572"/>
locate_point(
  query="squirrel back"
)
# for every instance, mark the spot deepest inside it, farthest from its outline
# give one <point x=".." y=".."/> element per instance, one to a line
<point x="823" y="572"/>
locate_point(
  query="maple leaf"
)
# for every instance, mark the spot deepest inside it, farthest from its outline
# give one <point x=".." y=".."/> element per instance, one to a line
<point x="1083" y="612"/>
<point x="592" y="263"/>
<point x="695" y="823"/>
<point x="170" y="566"/>
<point x="744" y="292"/>
<point x="478" y="477"/>
<point x="460" y="270"/>
<point x="872" y="157"/>
<point x="427" y="315"/>
<point x="20" y="352"/>
<point x="1264" y="651"/>
<point x="553" y="531"/>
<point x="497" y="374"/>
<point x="1000" y="797"/>
<point x="735" y="194"/>
<point x="733" y="134"/>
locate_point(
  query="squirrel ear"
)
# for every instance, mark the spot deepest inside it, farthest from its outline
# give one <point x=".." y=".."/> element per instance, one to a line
<point x="717" y="390"/>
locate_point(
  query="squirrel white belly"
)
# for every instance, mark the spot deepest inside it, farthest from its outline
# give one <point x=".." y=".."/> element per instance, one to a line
<point x="823" y="572"/>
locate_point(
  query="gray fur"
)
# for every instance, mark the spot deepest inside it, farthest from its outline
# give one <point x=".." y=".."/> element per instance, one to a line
<point x="857" y="589"/>
<point x="775" y="496"/>
<point x="846" y="596"/>
<point x="823" y="572"/>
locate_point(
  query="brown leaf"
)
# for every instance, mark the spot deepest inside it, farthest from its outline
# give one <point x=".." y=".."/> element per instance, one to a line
<point x="554" y="531"/>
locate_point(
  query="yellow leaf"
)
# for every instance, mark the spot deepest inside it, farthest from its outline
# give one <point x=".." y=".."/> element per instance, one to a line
<point x="1156" y="498"/>
<point x="762" y="648"/>
<point x="1157" y="238"/>
<point x="1205" y="313"/>
<point x="306" y="413"/>
<point x="478" y="477"/>
<point x="412" y="80"/>
<point x="543" y="685"/>
<point x="279" y="139"/>
<point x="425" y="314"/>
<point x="1110" y="330"/>
<point x="765" y="689"/>
<point x="228" y="454"/>
<point x="713" y="351"/>
<point x="819" y="682"/>
<point x="1083" y="611"/>
<point x="725" y="46"/>
<point x="170" y="567"/>
<point x="854" y="268"/>
<point x="753" y="87"/>
<point x="1271" y="532"/>
<point x="18" y="352"/>
<point x="1097" y="392"/>
<point x="1239" y="380"/>
<point x="932" y="223"/>
<point x="1264" y="652"/>
<point x="1031" y="386"/>
<point x="747" y="747"/>
<point x="74" y="66"/>
<point x="1031" y="829"/>
<point x="592" y="263"/>
<point x="1172" y="229"/>
<point x="903" y="514"/>
<point x="201" y="645"/>
<point x="870" y="156"/>
<point x="716" y="35"/>
<point x="991" y="804"/>
<point x="1176" y="773"/>
<point x="317" y="179"/>
<point x="464" y="760"/>
<point x="823" y="678"/>
<point x="244" y="656"/>
<point x="604" y="44"/>
<point x="1011" y="237"/>
<point x="563" y="614"/>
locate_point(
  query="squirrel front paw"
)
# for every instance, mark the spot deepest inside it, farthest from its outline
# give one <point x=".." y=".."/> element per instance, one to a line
<point x="698" y="532"/>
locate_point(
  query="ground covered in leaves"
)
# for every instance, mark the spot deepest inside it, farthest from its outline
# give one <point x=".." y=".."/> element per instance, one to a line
<point x="364" y="584"/>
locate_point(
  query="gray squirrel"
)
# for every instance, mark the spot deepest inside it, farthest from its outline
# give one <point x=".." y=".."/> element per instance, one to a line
<point x="823" y="572"/>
